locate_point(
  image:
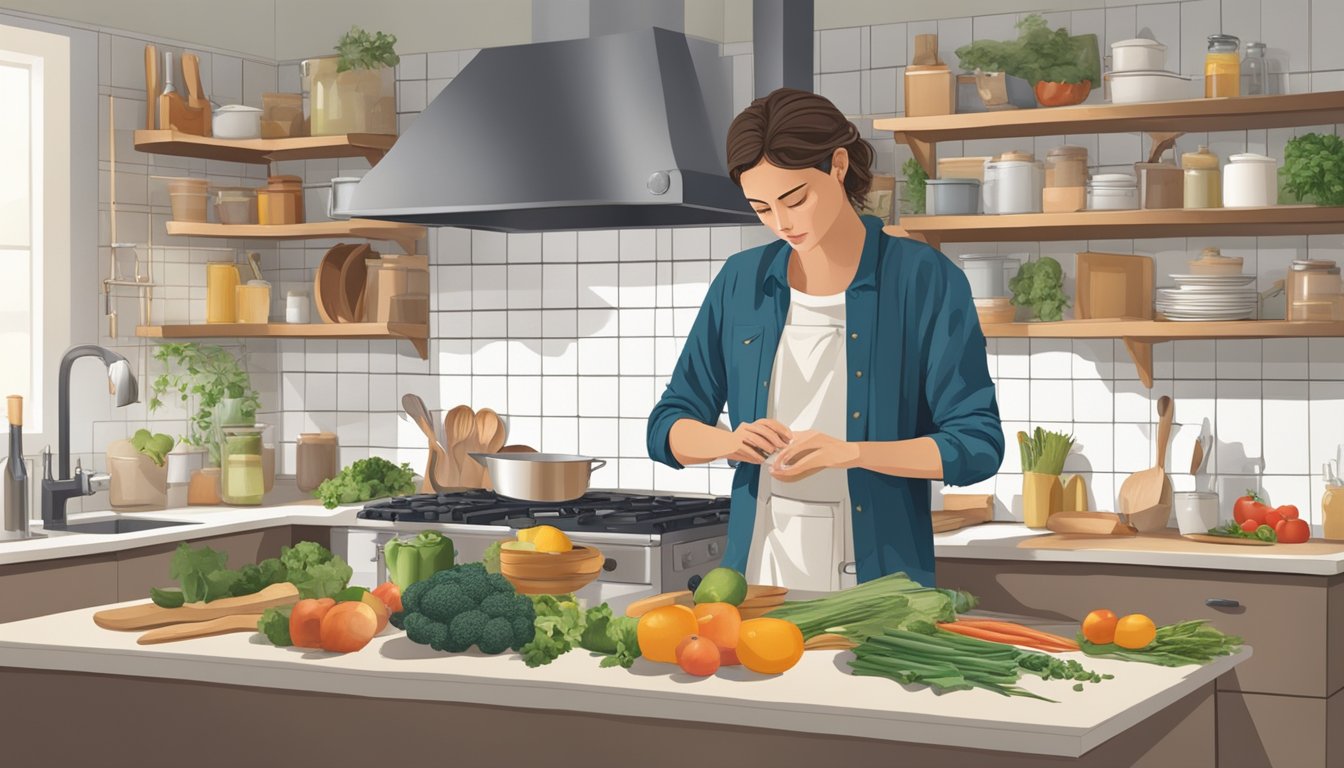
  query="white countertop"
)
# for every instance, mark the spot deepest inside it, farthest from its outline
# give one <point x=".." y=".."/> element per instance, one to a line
<point x="816" y="696"/>
<point x="992" y="541"/>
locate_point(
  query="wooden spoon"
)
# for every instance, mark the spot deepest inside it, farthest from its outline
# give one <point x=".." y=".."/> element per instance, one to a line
<point x="1150" y="505"/>
<point x="246" y="622"/>
<point x="490" y="433"/>
<point x="436" y="472"/>
<point x="1197" y="457"/>
<point x="148" y="615"/>
<point x="458" y="426"/>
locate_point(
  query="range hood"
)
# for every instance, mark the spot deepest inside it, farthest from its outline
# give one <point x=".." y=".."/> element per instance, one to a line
<point x="615" y="131"/>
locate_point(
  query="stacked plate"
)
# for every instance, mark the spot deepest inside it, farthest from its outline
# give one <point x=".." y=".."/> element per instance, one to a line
<point x="1209" y="297"/>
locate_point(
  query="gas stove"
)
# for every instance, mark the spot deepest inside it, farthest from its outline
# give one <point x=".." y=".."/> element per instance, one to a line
<point x="595" y="512"/>
<point x="650" y="542"/>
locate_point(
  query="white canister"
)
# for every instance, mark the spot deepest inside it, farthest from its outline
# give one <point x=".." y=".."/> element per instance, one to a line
<point x="236" y="121"/>
<point x="1196" y="511"/>
<point x="296" y="308"/>
<point x="989" y="189"/>
<point x="987" y="274"/>
<point x="1019" y="179"/>
<point x="1250" y="181"/>
<point x="1138" y="54"/>
<point x="184" y="460"/>
<point x="338" y="197"/>
<point x="1112" y="192"/>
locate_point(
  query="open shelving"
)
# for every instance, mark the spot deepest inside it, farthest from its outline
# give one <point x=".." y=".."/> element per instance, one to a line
<point x="370" y="146"/>
<point x="417" y="334"/>
<point x="404" y="235"/>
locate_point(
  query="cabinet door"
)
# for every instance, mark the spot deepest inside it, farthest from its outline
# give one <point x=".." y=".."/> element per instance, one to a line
<point x="52" y="586"/>
<point x="1283" y="617"/>
<point x="140" y="569"/>
<point x="1261" y="731"/>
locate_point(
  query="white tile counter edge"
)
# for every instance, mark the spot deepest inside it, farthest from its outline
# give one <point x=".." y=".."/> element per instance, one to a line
<point x="813" y="697"/>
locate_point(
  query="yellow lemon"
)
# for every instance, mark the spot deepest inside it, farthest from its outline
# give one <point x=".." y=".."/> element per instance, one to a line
<point x="551" y="539"/>
<point x="526" y="534"/>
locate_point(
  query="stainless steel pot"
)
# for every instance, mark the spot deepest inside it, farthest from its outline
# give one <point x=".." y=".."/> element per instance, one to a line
<point x="539" y="476"/>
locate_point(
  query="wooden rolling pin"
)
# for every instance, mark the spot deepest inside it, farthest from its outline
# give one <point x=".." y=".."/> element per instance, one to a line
<point x="243" y="622"/>
<point x="149" y="615"/>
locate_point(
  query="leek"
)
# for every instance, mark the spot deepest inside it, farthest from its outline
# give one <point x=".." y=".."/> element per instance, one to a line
<point x="889" y="602"/>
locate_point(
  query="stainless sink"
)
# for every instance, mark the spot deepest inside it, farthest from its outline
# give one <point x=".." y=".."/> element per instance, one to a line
<point x="120" y="525"/>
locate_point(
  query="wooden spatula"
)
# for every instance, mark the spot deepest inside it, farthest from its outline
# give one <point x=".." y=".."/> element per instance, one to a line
<point x="196" y="101"/>
<point x="149" y="615"/>
<point x="1150" y="507"/>
<point x="459" y="424"/>
<point x="490" y="433"/>
<point x="243" y="622"/>
<point x="437" y="471"/>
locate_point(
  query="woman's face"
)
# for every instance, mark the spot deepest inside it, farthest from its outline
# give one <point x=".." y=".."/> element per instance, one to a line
<point x="798" y="205"/>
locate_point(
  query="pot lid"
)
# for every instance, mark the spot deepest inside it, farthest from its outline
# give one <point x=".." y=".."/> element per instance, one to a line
<point x="1067" y="150"/>
<point x="1249" y="157"/>
<point x="1138" y="42"/>
<point x="238" y="108"/>
<point x="1314" y="265"/>
<point x="1113" y="180"/>
<point x="1200" y="159"/>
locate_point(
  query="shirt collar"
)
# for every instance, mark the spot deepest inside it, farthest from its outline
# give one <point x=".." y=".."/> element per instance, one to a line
<point x="777" y="269"/>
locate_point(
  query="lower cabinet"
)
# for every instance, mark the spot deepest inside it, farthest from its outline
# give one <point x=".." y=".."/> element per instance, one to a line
<point x="1277" y="709"/>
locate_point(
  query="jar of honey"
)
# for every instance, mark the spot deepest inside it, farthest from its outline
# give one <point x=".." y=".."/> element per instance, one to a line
<point x="1222" y="67"/>
<point x="221" y="286"/>
<point x="1332" y="513"/>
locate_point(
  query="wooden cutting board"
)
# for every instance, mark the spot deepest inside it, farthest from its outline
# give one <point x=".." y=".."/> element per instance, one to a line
<point x="1236" y="540"/>
<point x="1169" y="540"/>
<point x="761" y="599"/>
<point x="148" y="615"/>
<point x="1089" y="524"/>
<point x="961" y="510"/>
<point x="243" y="622"/>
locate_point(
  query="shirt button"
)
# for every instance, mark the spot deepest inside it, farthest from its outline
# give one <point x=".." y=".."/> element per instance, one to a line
<point x="858" y="374"/>
<point x="765" y="383"/>
<point x="854" y="335"/>
<point x="746" y="341"/>
<point x="856" y="414"/>
<point x="858" y="508"/>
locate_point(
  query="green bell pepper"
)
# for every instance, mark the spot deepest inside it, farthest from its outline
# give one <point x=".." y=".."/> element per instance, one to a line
<point x="410" y="560"/>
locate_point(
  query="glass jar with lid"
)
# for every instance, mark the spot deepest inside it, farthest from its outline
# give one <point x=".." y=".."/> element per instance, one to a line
<point x="221" y="285"/>
<point x="1222" y="67"/>
<point x="1065" y="180"/>
<point x="1255" y="71"/>
<point x="1314" y="290"/>
<point x="317" y="458"/>
<point x="242" y="479"/>
<point x="1203" y="182"/>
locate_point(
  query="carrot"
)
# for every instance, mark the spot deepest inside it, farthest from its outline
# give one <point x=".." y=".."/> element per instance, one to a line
<point x="1020" y="631"/>
<point x="993" y="636"/>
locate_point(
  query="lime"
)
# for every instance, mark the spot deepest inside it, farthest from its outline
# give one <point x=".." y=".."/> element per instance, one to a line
<point x="722" y="585"/>
<point x="522" y="546"/>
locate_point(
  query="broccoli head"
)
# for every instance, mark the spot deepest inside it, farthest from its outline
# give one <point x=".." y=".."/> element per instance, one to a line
<point x="499" y="604"/>
<point x="443" y="602"/>
<point x="465" y="630"/>
<point x="524" y="630"/>
<point x="425" y="631"/>
<point x="397" y="619"/>
<point x="410" y="597"/>
<point x="496" y="636"/>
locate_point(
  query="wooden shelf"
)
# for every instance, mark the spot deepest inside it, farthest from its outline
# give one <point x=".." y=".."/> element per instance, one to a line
<point x="404" y="235"/>
<point x="415" y="333"/>
<point x="370" y="146"/>
<point x="1126" y="225"/>
<point x="1140" y="335"/>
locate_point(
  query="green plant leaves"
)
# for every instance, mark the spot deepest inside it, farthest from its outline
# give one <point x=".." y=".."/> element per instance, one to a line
<point x="1039" y="285"/>
<point x="1313" y="169"/>
<point x="362" y="50"/>
<point x="1037" y="54"/>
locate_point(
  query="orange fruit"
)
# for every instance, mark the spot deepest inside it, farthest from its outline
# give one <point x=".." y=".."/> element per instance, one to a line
<point x="661" y="630"/>
<point x="1099" y="626"/>
<point x="1135" y="631"/>
<point x="719" y="623"/>
<point x="698" y="656"/>
<point x="348" y="627"/>
<point x="379" y="609"/>
<point x="769" y="646"/>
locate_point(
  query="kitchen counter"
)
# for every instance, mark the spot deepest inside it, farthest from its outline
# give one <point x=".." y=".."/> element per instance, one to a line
<point x="817" y="697"/>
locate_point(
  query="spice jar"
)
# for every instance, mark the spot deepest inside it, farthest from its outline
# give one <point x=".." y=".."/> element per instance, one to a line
<point x="281" y="202"/>
<point x="1203" y="183"/>
<point x="221" y="285"/>
<point x="1222" y="67"/>
<point x="1255" y="71"/>
<point x="317" y="458"/>
<point x="1314" y="290"/>
<point x="1065" y="180"/>
<point x="242" y="480"/>
<point x="1161" y="185"/>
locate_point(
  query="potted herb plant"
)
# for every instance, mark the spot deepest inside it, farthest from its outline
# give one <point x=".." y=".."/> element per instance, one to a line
<point x="1313" y="169"/>
<point x="1062" y="68"/>
<point x="214" y="387"/>
<point x="355" y="91"/>
<point x="1039" y="286"/>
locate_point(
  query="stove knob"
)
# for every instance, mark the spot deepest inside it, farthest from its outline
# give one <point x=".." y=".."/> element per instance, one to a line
<point x="693" y="583"/>
<point x="713" y="549"/>
<point x="609" y="565"/>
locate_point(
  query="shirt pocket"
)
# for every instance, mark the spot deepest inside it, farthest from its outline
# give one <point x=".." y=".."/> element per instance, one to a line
<point x="744" y="363"/>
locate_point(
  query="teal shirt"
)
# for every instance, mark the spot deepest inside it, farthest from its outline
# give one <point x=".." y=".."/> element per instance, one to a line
<point x="917" y="364"/>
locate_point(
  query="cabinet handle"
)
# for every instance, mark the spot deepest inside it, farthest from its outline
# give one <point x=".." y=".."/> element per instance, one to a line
<point x="1221" y="602"/>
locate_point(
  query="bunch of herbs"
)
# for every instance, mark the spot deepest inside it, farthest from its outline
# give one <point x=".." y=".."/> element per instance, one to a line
<point x="1313" y="169"/>
<point x="365" y="50"/>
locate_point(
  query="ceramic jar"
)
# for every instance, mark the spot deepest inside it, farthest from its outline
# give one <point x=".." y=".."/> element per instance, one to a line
<point x="1250" y="181"/>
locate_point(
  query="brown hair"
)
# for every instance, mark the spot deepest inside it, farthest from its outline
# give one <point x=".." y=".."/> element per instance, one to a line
<point x="796" y="129"/>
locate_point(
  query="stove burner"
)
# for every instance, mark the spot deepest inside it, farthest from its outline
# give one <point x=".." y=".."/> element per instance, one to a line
<point x="598" y="511"/>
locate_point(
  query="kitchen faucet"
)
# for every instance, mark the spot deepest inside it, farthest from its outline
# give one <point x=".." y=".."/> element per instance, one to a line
<point x="57" y="490"/>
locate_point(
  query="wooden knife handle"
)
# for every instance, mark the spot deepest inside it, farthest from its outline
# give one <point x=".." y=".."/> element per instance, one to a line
<point x="151" y="84"/>
<point x="149" y="615"/>
<point x="246" y="622"/>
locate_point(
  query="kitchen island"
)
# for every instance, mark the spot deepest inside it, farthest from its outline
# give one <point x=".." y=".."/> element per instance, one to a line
<point x="396" y="697"/>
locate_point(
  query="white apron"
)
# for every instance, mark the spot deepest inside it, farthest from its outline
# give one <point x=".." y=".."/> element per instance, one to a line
<point x="803" y="537"/>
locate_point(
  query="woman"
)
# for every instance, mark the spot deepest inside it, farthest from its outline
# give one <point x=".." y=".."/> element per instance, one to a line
<point x="851" y="361"/>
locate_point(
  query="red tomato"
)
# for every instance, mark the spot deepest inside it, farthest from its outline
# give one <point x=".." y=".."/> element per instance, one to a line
<point x="1293" y="531"/>
<point x="698" y="656"/>
<point x="1249" y="526"/>
<point x="1250" y="507"/>
<point x="1272" y="519"/>
<point x="1288" y="512"/>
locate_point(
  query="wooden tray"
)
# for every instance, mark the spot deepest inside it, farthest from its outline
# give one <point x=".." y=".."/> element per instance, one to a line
<point x="1113" y="285"/>
<point x="1210" y="538"/>
<point x="961" y="510"/>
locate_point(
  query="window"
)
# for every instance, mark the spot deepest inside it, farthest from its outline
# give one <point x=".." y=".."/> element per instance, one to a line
<point x="34" y="217"/>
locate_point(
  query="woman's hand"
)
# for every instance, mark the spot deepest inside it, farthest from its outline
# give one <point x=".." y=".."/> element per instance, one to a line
<point x="810" y="452"/>
<point x="754" y="442"/>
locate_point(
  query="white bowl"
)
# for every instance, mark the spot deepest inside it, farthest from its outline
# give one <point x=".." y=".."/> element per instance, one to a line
<point x="236" y="121"/>
<point x="1148" y="85"/>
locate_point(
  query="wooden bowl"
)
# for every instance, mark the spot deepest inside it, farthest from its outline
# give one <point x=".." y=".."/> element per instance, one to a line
<point x="996" y="310"/>
<point x="550" y="573"/>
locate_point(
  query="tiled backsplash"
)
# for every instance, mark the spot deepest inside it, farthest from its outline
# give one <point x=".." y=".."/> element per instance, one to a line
<point x="571" y="335"/>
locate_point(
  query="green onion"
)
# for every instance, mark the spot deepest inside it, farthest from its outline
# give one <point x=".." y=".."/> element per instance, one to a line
<point x="1044" y="452"/>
